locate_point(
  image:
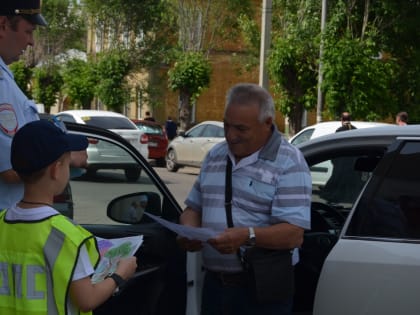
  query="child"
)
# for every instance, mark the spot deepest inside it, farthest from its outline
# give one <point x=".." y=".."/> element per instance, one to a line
<point x="46" y="259"/>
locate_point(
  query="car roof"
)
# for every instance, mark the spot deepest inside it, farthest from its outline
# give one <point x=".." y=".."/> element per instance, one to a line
<point x="376" y="137"/>
<point x="210" y="122"/>
<point x="328" y="127"/>
<point x="91" y="112"/>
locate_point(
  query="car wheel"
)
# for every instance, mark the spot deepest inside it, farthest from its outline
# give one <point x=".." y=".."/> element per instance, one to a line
<point x="90" y="172"/>
<point x="132" y="174"/>
<point x="171" y="161"/>
<point x="161" y="162"/>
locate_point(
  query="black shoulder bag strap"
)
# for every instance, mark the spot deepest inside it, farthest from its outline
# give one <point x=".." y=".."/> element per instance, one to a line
<point x="228" y="199"/>
<point x="228" y="192"/>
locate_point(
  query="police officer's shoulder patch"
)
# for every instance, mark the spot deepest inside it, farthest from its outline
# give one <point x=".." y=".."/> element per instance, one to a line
<point x="8" y="120"/>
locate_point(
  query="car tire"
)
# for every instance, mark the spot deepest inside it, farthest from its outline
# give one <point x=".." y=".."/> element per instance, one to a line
<point x="171" y="165"/>
<point x="161" y="162"/>
<point x="132" y="174"/>
<point x="91" y="172"/>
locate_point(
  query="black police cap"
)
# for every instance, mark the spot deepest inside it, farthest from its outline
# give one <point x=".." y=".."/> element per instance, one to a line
<point x="29" y="9"/>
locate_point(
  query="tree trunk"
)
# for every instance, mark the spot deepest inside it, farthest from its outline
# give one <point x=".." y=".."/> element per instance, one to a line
<point x="295" y="118"/>
<point x="184" y="110"/>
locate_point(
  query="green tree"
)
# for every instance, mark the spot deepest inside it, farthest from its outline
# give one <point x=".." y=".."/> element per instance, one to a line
<point x="190" y="75"/>
<point x="203" y="26"/>
<point x="356" y="78"/>
<point x="112" y="89"/>
<point x="47" y="85"/>
<point x="22" y="75"/>
<point x="66" y="30"/>
<point x="371" y="57"/>
<point x="79" y="80"/>
<point x="292" y="64"/>
<point x="142" y="30"/>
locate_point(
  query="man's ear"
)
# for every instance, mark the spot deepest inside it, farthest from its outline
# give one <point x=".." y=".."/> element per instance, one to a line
<point x="269" y="122"/>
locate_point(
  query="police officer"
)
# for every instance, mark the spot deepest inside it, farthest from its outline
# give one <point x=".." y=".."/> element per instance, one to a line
<point x="18" y="20"/>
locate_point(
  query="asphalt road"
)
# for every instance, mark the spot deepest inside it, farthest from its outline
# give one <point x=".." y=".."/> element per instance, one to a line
<point x="179" y="183"/>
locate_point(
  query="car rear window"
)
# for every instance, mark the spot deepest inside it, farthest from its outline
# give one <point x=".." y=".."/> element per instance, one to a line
<point x="153" y="130"/>
<point x="108" y="122"/>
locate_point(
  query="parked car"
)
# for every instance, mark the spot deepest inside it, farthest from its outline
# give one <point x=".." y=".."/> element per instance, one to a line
<point x="322" y="172"/>
<point x="100" y="154"/>
<point x="167" y="277"/>
<point x="189" y="148"/>
<point x="364" y="273"/>
<point x="157" y="139"/>
<point x="327" y="127"/>
<point x="374" y="267"/>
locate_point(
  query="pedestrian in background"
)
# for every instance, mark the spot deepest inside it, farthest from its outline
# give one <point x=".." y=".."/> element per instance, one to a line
<point x="149" y="117"/>
<point x="401" y="119"/>
<point x="171" y="128"/>
<point x="47" y="260"/>
<point x="345" y="122"/>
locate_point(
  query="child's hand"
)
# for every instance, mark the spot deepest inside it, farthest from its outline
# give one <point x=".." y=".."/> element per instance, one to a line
<point x="126" y="267"/>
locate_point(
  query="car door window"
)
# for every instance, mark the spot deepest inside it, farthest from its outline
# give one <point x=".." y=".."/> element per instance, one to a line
<point x="303" y="137"/>
<point x="390" y="205"/>
<point x="196" y="132"/>
<point x="67" y="118"/>
<point x="213" y="132"/>
<point x="336" y="185"/>
<point x="111" y="173"/>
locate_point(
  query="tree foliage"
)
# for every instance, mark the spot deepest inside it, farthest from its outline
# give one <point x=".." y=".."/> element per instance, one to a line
<point x="111" y="70"/>
<point x="190" y="75"/>
<point x="292" y="63"/>
<point x="356" y="76"/>
<point x="203" y="25"/>
<point x="79" y="78"/>
<point x="141" y="28"/>
<point x="370" y="61"/>
<point x="66" y="29"/>
<point x="47" y="85"/>
<point x="22" y="74"/>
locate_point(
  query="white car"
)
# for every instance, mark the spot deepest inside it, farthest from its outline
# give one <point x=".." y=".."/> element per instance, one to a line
<point x="100" y="154"/>
<point x="190" y="147"/>
<point x="322" y="172"/>
<point x="326" y="128"/>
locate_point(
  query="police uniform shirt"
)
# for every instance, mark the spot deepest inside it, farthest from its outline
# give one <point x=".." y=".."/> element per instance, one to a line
<point x="15" y="111"/>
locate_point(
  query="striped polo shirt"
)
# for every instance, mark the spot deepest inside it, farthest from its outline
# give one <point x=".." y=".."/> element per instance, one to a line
<point x="271" y="186"/>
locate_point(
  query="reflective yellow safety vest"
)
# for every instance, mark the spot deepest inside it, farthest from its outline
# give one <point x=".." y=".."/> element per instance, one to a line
<point x="37" y="261"/>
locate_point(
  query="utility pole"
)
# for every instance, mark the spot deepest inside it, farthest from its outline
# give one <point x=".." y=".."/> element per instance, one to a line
<point x="320" y="98"/>
<point x="265" y="41"/>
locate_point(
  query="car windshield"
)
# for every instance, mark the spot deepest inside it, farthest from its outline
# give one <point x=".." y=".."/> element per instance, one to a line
<point x="108" y="122"/>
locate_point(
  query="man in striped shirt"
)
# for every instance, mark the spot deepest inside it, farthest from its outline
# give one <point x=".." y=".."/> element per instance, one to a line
<point x="271" y="197"/>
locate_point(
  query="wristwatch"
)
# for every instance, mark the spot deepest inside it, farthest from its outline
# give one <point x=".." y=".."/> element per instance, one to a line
<point x="252" y="240"/>
<point x="119" y="281"/>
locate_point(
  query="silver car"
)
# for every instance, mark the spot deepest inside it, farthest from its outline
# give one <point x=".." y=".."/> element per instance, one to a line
<point x="101" y="155"/>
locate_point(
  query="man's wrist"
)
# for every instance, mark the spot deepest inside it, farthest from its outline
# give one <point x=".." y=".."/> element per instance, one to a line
<point x="252" y="240"/>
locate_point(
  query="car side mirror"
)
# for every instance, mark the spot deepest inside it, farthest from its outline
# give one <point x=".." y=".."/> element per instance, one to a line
<point x="130" y="208"/>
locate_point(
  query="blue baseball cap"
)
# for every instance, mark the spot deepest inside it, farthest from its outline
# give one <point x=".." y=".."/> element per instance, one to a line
<point x="42" y="142"/>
